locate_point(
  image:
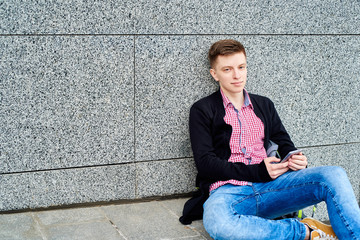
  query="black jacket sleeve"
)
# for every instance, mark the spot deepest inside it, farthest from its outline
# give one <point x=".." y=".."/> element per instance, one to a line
<point x="210" y="137"/>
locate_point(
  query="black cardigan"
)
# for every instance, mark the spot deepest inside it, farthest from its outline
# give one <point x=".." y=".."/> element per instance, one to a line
<point x="210" y="138"/>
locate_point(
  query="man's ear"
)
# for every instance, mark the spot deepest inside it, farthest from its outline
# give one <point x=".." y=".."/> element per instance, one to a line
<point x="213" y="74"/>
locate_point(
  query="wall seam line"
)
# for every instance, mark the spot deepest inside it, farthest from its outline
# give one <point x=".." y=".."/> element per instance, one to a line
<point x="136" y="191"/>
<point x="145" y="161"/>
<point x="179" y="34"/>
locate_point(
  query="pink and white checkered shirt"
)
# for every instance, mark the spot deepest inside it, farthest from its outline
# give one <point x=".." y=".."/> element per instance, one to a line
<point x="247" y="137"/>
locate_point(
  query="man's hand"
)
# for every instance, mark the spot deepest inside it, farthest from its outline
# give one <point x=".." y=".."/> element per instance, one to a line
<point x="298" y="162"/>
<point x="276" y="170"/>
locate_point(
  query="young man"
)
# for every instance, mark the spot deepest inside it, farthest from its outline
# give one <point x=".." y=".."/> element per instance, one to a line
<point x="230" y="131"/>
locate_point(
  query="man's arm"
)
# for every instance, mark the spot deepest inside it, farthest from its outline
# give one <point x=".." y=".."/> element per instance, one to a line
<point x="210" y="166"/>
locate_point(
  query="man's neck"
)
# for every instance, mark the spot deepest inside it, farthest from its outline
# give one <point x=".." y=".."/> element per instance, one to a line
<point x="237" y="99"/>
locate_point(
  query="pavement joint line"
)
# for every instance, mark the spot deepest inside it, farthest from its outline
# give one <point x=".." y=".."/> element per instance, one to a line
<point x="196" y="230"/>
<point x="171" y="212"/>
<point x="117" y="229"/>
<point x="38" y="226"/>
<point x="113" y="224"/>
<point x="177" y="217"/>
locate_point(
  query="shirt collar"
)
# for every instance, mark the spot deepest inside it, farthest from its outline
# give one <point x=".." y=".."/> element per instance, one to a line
<point x="247" y="101"/>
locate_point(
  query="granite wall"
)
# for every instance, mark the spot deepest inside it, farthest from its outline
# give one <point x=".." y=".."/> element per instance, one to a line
<point x="95" y="94"/>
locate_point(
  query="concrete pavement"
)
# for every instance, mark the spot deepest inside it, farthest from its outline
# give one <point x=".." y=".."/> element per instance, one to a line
<point x="139" y="221"/>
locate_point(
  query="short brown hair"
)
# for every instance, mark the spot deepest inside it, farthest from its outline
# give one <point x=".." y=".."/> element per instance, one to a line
<point x="224" y="47"/>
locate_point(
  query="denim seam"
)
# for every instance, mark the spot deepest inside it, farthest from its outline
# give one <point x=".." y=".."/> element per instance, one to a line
<point x="243" y="199"/>
<point x="260" y="193"/>
<point x="287" y="188"/>
<point x="341" y="216"/>
<point x="239" y="201"/>
<point x="324" y="186"/>
<point x="347" y="225"/>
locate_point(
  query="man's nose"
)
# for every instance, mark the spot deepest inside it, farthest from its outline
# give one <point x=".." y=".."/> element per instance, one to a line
<point x="236" y="74"/>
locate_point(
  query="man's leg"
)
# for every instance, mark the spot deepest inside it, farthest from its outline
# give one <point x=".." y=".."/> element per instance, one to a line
<point x="290" y="192"/>
<point x="230" y="213"/>
<point x="310" y="186"/>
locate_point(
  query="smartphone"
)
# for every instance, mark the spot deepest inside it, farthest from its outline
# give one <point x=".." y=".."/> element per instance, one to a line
<point x="288" y="156"/>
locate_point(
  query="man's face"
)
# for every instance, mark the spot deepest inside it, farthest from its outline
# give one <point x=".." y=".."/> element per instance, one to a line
<point x="230" y="71"/>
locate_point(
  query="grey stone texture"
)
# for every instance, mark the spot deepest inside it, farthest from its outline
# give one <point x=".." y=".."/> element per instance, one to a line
<point x="51" y="188"/>
<point x="180" y="17"/>
<point x="19" y="226"/>
<point x="145" y="220"/>
<point x="74" y="17"/>
<point x="94" y="97"/>
<point x="165" y="178"/>
<point x="66" y="101"/>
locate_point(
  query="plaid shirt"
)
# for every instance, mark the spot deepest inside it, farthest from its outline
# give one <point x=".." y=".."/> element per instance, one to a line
<point x="247" y="137"/>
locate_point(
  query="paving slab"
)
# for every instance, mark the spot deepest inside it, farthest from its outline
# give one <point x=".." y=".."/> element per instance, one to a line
<point x="176" y="207"/>
<point x="133" y="221"/>
<point x="84" y="231"/>
<point x="19" y="226"/>
<point x="71" y="216"/>
<point x="149" y="220"/>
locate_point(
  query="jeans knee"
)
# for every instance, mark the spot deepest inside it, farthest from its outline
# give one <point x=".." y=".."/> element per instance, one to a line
<point x="213" y="223"/>
<point x="333" y="173"/>
<point x="333" y="176"/>
<point x="339" y="172"/>
<point x="220" y="226"/>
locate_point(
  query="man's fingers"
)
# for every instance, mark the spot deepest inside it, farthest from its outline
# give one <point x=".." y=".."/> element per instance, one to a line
<point x="278" y="172"/>
<point x="275" y="170"/>
<point x="298" y="162"/>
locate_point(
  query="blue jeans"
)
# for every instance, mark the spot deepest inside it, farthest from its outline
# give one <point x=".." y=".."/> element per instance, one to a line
<point x="245" y="212"/>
